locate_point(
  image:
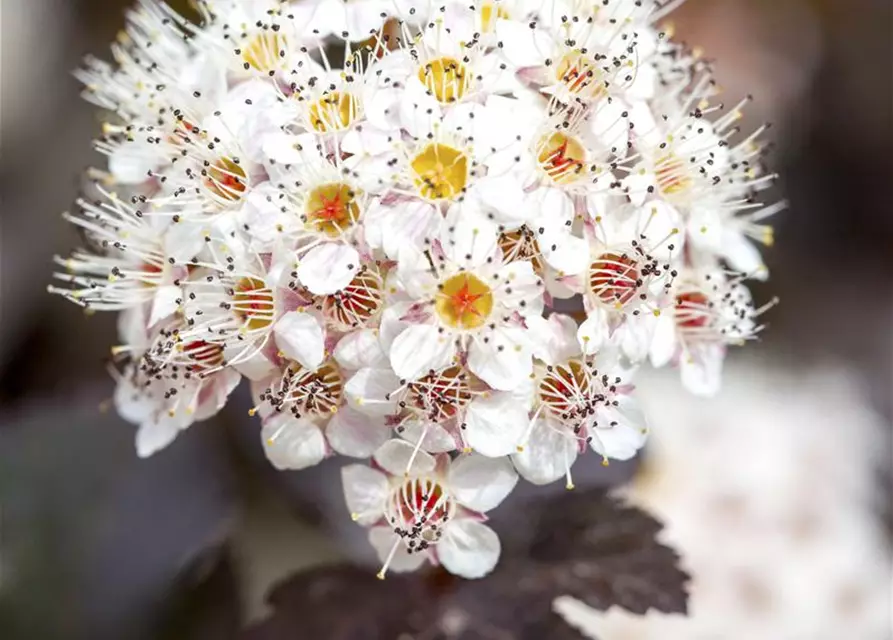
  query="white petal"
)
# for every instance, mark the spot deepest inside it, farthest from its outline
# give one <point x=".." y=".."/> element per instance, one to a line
<point x="663" y="342"/>
<point x="360" y="349"/>
<point x="547" y="455"/>
<point x="468" y="549"/>
<point x="556" y="338"/>
<point x="165" y="302"/>
<point x="328" y="268"/>
<point x="299" y="337"/>
<point x="436" y="438"/>
<point x="494" y="426"/>
<point x="419" y="349"/>
<point x="365" y="492"/>
<point x="504" y="194"/>
<point x="518" y="282"/>
<point x="701" y="370"/>
<point x="154" y="435"/>
<point x="563" y="251"/>
<point x="609" y="126"/>
<point x="504" y="360"/>
<point x="480" y="483"/>
<point x="250" y="362"/>
<point x="621" y="432"/>
<point x="405" y="224"/>
<point x="292" y="443"/>
<point x="383" y="540"/>
<point x="394" y="456"/>
<point x="369" y="390"/>
<point x="637" y="183"/>
<point x="468" y="238"/>
<point x="593" y="333"/>
<point x="132" y="163"/>
<point x="521" y="45"/>
<point x="743" y="255"/>
<point x="351" y="433"/>
<point x="635" y="335"/>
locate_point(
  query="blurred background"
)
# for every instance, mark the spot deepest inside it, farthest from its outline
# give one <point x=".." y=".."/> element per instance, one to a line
<point x="777" y="492"/>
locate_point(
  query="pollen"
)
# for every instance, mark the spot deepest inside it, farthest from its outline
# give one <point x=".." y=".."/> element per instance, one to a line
<point x="560" y="157"/>
<point x="580" y="74"/>
<point x="253" y="302"/>
<point x="335" y="111"/>
<point x="614" y="279"/>
<point x="445" y="78"/>
<point x="440" y="172"/>
<point x="226" y="180"/>
<point x="464" y="301"/>
<point x="263" y="52"/>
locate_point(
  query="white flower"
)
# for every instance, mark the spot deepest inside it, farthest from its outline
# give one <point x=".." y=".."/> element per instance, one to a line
<point x="433" y="511"/>
<point x="712" y="310"/>
<point x="171" y="384"/>
<point x="304" y="413"/>
<point x="129" y="267"/>
<point x="468" y="303"/>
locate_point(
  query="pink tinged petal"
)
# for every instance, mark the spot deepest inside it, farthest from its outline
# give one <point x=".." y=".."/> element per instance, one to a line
<point x="292" y="443"/>
<point x="434" y="438"/>
<point x="369" y="391"/>
<point x="299" y="337"/>
<point x="392" y="551"/>
<point x="215" y="393"/>
<point x="154" y="435"/>
<point x="419" y="349"/>
<point x="393" y="323"/>
<point x="556" y="338"/>
<point x="360" y="349"/>
<point x="496" y="425"/>
<point x="701" y="369"/>
<point x="351" y="433"/>
<point x="365" y="492"/>
<point x="663" y="342"/>
<point x="502" y="368"/>
<point x="469" y="549"/>
<point x="328" y="268"/>
<point x="480" y="483"/>
<point x="548" y="454"/>
<point x="254" y="364"/>
<point x="405" y="224"/>
<point x="594" y="331"/>
<point x="398" y="457"/>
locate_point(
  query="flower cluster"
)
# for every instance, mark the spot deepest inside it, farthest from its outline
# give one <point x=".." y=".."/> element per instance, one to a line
<point x="371" y="209"/>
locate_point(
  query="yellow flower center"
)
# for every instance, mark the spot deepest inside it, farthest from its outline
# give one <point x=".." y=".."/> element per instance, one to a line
<point x="579" y="73"/>
<point x="464" y="301"/>
<point x="253" y="303"/>
<point x="265" y="51"/>
<point x="446" y="78"/>
<point x="440" y="172"/>
<point x="672" y="175"/>
<point x="561" y="157"/>
<point x="332" y="209"/>
<point x="226" y="180"/>
<point x="335" y="111"/>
